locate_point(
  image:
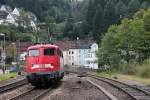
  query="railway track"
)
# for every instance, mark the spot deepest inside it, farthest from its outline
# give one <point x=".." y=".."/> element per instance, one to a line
<point x="109" y="95"/>
<point x="13" y="85"/>
<point x="35" y="93"/>
<point x="134" y="92"/>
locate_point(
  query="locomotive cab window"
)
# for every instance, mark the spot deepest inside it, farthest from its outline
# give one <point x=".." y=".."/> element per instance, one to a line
<point x="60" y="53"/>
<point x="34" y="52"/>
<point x="49" y="51"/>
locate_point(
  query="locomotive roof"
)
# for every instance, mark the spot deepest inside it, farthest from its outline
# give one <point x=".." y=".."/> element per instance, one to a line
<point x="42" y="46"/>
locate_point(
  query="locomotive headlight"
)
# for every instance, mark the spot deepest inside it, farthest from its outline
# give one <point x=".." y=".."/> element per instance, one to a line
<point x="51" y="67"/>
<point x="35" y="66"/>
<point x="47" y="65"/>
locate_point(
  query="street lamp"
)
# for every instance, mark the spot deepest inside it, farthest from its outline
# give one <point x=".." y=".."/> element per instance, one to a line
<point x="3" y="58"/>
<point x="14" y="52"/>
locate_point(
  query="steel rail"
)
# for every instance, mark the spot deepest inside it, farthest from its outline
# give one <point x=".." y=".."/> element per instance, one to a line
<point x="13" y="85"/>
<point x="21" y="95"/>
<point x="126" y="88"/>
<point x="137" y="94"/>
<point x="42" y="94"/>
<point x="142" y="90"/>
<point x="109" y="95"/>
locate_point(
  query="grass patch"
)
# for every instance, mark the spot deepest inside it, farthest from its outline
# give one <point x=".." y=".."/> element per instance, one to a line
<point x="145" y="81"/>
<point x="7" y="76"/>
<point x="134" y="78"/>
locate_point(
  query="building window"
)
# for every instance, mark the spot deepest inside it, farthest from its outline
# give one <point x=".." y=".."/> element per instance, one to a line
<point x="79" y="62"/>
<point x="72" y="63"/>
<point x="69" y="52"/>
<point x="88" y="55"/>
<point x="79" y="56"/>
<point x="72" y="52"/>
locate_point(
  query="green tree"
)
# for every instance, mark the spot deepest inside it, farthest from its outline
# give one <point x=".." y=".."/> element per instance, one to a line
<point x="109" y="14"/>
<point x="90" y="13"/>
<point x="108" y="53"/>
<point x="98" y="23"/>
<point x="133" y="5"/>
<point x="68" y="31"/>
<point x="146" y="18"/>
<point x="121" y="10"/>
<point x="127" y="42"/>
<point x="145" y="5"/>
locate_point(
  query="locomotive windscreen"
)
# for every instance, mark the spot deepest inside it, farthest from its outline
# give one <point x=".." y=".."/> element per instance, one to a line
<point x="49" y="51"/>
<point x="34" y="52"/>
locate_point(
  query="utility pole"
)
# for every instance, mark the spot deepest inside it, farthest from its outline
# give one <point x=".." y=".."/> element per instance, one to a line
<point x="49" y="34"/>
<point x="4" y="55"/>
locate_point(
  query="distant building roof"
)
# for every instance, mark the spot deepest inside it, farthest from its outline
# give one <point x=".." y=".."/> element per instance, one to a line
<point x="64" y="45"/>
<point x="78" y="44"/>
<point x="81" y="44"/>
<point x="23" y="44"/>
<point x="5" y="8"/>
<point x="3" y="15"/>
<point x="32" y="16"/>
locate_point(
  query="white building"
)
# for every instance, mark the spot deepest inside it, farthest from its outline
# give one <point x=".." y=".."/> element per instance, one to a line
<point x="80" y="53"/>
<point x="84" y="55"/>
<point x="23" y="56"/>
<point x="77" y="56"/>
<point x="15" y="12"/>
<point x="5" y="8"/>
<point x="33" y="25"/>
<point x="64" y="45"/>
<point x="10" y="19"/>
<point x="65" y="55"/>
<point x="91" y="59"/>
<point x="7" y="16"/>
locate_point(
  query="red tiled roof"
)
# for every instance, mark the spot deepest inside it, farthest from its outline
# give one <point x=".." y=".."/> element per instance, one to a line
<point x="80" y="44"/>
<point x="64" y="45"/>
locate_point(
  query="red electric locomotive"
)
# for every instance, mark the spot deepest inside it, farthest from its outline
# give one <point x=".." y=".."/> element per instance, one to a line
<point x="44" y="63"/>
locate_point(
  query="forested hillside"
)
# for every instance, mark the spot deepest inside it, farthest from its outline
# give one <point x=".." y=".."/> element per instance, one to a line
<point x="103" y="13"/>
<point x="43" y="8"/>
<point x="86" y="19"/>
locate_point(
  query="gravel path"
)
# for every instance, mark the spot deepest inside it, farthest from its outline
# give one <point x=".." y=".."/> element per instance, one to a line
<point x="74" y="88"/>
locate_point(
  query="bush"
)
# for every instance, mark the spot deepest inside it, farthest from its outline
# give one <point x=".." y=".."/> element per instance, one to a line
<point x="144" y="69"/>
<point x="128" y="69"/>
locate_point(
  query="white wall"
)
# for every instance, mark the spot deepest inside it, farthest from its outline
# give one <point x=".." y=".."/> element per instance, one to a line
<point x="65" y="55"/>
<point x="23" y="56"/>
<point x="77" y="56"/>
<point x="1" y="21"/>
<point x="82" y="57"/>
<point x="91" y="58"/>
